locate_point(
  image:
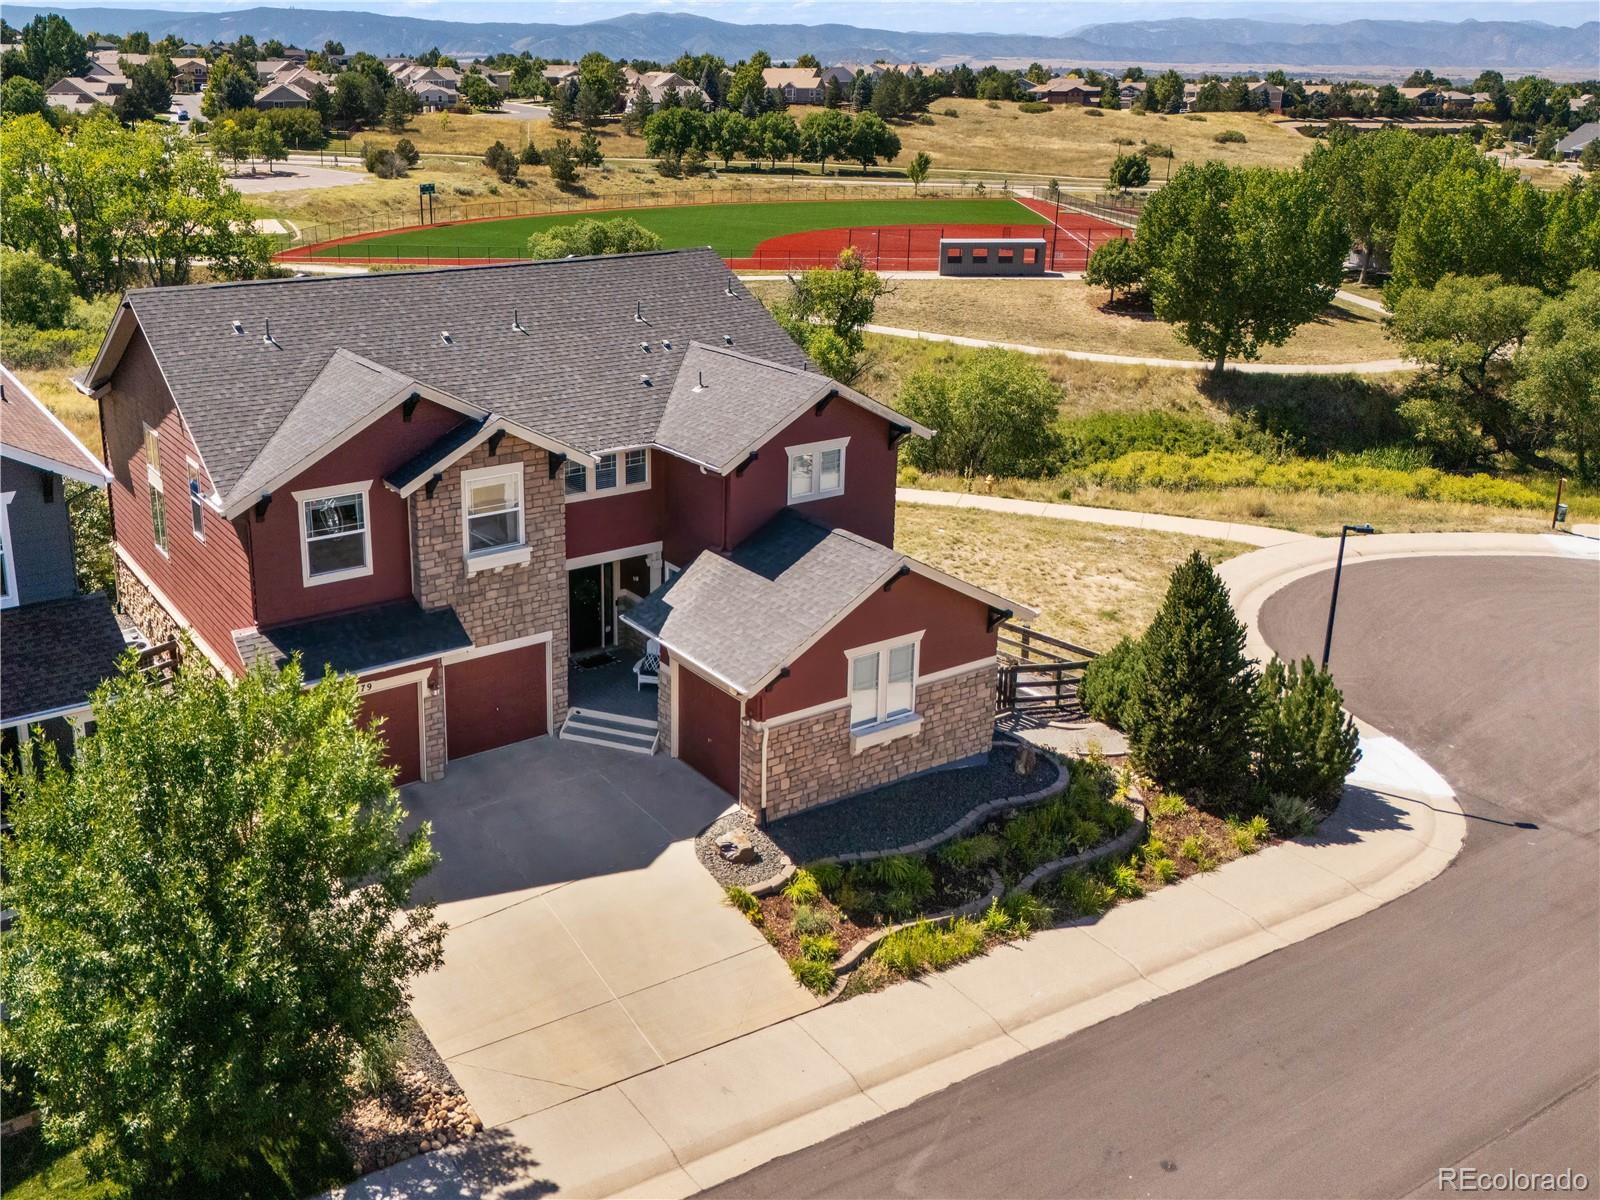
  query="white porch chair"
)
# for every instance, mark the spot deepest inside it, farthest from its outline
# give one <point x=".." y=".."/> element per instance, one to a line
<point x="647" y="671"/>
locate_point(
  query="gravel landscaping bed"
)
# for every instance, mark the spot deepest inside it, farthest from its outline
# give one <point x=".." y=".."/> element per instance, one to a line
<point x="769" y="859"/>
<point x="909" y="811"/>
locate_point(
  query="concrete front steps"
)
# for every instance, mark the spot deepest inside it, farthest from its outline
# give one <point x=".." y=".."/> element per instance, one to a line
<point x="633" y="734"/>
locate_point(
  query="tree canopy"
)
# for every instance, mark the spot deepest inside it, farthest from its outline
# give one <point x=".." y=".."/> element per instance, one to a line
<point x="826" y="309"/>
<point x="1238" y="258"/>
<point x="213" y="927"/>
<point x="994" y="410"/>
<point x="612" y="235"/>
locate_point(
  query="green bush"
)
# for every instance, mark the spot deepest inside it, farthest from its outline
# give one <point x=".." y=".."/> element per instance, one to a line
<point x="612" y="235"/>
<point x="1028" y="910"/>
<point x="809" y="920"/>
<point x="828" y="876"/>
<point x="899" y="873"/>
<point x="1247" y="836"/>
<point x="1115" y="266"/>
<point x="1305" y="742"/>
<point x="970" y="853"/>
<point x="40" y="349"/>
<point x="1107" y="436"/>
<point x="1291" y="817"/>
<point x="1229" y="136"/>
<point x="1167" y="804"/>
<point x="33" y="292"/>
<point x="821" y="947"/>
<point x="995" y="413"/>
<point x="1033" y="106"/>
<point x="927" y="947"/>
<point x="1194" y="848"/>
<point x="802" y="888"/>
<point x="744" y="902"/>
<point x="814" y="976"/>
<point x="1188" y="720"/>
<point x="1230" y="469"/>
<point x="1164" y="869"/>
<point x="1109" y="682"/>
<point x="1081" y="894"/>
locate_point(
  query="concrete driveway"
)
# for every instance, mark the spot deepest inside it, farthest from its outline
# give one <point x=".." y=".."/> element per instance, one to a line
<point x="586" y="942"/>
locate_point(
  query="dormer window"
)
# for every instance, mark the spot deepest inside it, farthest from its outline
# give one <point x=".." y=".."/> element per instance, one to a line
<point x="816" y="470"/>
<point x="335" y="538"/>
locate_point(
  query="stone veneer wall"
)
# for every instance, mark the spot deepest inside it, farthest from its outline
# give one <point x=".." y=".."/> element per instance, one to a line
<point x="809" y="761"/>
<point x="433" y="746"/>
<point x="143" y="609"/>
<point x="664" y="707"/>
<point x="513" y="601"/>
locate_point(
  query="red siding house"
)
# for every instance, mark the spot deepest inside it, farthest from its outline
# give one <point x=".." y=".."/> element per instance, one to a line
<point x="576" y="462"/>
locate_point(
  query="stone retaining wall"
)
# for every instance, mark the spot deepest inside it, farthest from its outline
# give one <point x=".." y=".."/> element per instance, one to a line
<point x="143" y="609"/>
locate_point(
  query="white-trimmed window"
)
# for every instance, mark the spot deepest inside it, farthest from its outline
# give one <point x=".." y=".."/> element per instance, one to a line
<point x="8" y="568"/>
<point x="158" y="499"/>
<point x="816" y="470"/>
<point x="612" y="474"/>
<point x="492" y="517"/>
<point x="197" y="503"/>
<point x="883" y="683"/>
<point x="335" y="538"/>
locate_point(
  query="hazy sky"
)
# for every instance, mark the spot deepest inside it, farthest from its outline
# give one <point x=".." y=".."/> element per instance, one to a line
<point x="996" y="16"/>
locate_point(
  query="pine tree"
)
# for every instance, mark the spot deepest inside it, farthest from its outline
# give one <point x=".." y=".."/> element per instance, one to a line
<point x="1189" y="716"/>
<point x="1305" y="742"/>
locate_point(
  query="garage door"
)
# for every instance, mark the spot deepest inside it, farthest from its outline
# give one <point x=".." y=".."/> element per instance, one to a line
<point x="495" y="699"/>
<point x="400" y="731"/>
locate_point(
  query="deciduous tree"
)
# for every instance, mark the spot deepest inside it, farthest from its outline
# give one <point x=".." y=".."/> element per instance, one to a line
<point x="994" y="412"/>
<point x="870" y="139"/>
<point x="825" y="135"/>
<point x="1559" y="369"/>
<point x="1236" y="259"/>
<point x="213" y="926"/>
<point x="825" y="310"/>
<point x="917" y="170"/>
<point x="612" y="235"/>
<point x="1114" y="265"/>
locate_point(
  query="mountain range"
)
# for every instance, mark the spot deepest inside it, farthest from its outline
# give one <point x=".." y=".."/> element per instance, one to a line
<point x="1457" y="47"/>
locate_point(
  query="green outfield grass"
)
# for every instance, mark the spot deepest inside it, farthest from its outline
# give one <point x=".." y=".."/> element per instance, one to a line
<point x="734" y="230"/>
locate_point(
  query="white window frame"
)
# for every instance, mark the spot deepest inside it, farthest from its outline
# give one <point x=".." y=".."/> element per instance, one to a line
<point x="197" y="502"/>
<point x="8" y="591"/>
<point x="160" y="534"/>
<point x="619" y="488"/>
<point x="500" y="556"/>
<point x="885" y="728"/>
<point x="301" y="499"/>
<point x="816" y="450"/>
<point x="152" y="462"/>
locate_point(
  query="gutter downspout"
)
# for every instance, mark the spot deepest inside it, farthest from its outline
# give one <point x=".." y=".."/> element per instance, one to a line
<point x="761" y="821"/>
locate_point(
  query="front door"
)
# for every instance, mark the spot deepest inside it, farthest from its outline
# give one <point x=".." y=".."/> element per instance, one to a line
<point x="586" y="604"/>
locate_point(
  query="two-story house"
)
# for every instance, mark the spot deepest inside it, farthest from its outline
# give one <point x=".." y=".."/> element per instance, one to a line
<point x="56" y="646"/>
<point x="453" y="483"/>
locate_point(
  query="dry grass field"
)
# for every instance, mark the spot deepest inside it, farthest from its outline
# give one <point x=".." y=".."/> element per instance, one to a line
<point x="77" y="412"/>
<point x="1092" y="584"/>
<point x="1071" y="316"/>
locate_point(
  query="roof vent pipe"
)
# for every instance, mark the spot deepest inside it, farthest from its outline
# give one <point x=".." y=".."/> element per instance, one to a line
<point x="645" y="379"/>
<point x="700" y="381"/>
<point x="266" y="338"/>
<point x="729" y="289"/>
<point x="516" y="322"/>
<point x="727" y="339"/>
<point x="238" y="327"/>
<point x="638" y="310"/>
<point x="444" y="336"/>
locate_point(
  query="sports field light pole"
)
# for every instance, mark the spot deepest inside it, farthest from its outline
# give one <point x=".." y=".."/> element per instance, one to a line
<point x="1333" y="601"/>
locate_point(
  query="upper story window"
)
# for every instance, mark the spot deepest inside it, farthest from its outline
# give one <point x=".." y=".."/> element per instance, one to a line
<point x="816" y="470"/>
<point x="8" y="580"/>
<point x="491" y="518"/>
<point x="152" y="454"/>
<point x="197" y="503"/>
<point x="612" y="474"/>
<point x="335" y="539"/>
<point x="158" y="500"/>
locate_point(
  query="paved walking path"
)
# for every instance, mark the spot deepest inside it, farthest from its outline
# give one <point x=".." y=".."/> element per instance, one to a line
<point x="1363" y="302"/>
<point x="1380" y="366"/>
<point x="1233" y="531"/>
<point x="695" y="1122"/>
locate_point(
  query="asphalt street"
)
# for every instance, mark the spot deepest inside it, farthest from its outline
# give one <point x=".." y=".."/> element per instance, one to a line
<point x="1457" y="1026"/>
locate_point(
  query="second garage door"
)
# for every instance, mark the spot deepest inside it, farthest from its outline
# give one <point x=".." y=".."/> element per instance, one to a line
<point x="495" y="699"/>
<point x="400" y="731"/>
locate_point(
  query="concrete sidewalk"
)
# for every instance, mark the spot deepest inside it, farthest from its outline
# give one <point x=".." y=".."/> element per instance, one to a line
<point x="703" y="1119"/>
<point x="1233" y="531"/>
<point x="1380" y="366"/>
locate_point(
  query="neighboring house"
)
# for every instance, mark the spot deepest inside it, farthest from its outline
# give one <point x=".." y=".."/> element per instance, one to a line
<point x="1573" y="144"/>
<point x="296" y="55"/>
<point x="435" y="87"/>
<point x="292" y="87"/>
<point x="453" y="483"/>
<point x="799" y="85"/>
<point x="1130" y="90"/>
<point x="561" y="72"/>
<point x="655" y="84"/>
<point x="844" y="76"/>
<point x="79" y="93"/>
<point x="192" y="74"/>
<point x="56" y="645"/>
<point x="1066" y="89"/>
<point x="1266" y="96"/>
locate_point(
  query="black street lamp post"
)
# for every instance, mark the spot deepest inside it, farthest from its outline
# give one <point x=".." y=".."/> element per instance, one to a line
<point x="1333" y="601"/>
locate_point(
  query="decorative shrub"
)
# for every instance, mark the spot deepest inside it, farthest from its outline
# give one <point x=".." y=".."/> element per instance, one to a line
<point x="969" y="853"/>
<point x="819" y="947"/>
<point x="1305" y="742"/>
<point x="803" y="888"/>
<point x="927" y="947"/>
<point x="827" y="875"/>
<point x="1248" y="835"/>
<point x="1229" y="137"/>
<point x="809" y="920"/>
<point x="744" y="902"/>
<point x="1290" y="816"/>
<point x="1164" y="869"/>
<point x="1033" y="106"/>
<point x="1109" y="682"/>
<point x="815" y="976"/>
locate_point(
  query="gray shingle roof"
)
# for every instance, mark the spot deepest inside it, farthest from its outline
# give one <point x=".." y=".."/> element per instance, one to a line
<point x="744" y="616"/>
<point x="573" y="376"/>
<point x="348" y="390"/>
<point x="28" y="426"/>
<point x="56" y="653"/>
<point x="724" y="403"/>
<point x="357" y="641"/>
